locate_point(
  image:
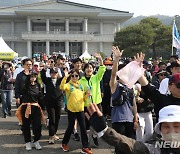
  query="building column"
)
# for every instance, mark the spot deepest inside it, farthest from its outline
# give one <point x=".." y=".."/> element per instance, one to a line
<point x="29" y="49"/>
<point x="67" y="48"/>
<point x="101" y="46"/>
<point x="85" y="25"/>
<point x="118" y="27"/>
<point x="67" y="26"/>
<point x="12" y="27"/>
<point x="12" y="45"/>
<point x="29" y="24"/>
<point x="85" y="46"/>
<point x="101" y="28"/>
<point x="47" y="48"/>
<point x="47" y="25"/>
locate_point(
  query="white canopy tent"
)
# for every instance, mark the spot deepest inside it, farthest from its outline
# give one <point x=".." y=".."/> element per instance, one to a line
<point x="85" y="55"/>
<point x="6" y="53"/>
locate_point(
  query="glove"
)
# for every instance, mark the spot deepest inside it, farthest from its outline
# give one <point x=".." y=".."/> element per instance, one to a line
<point x="97" y="122"/>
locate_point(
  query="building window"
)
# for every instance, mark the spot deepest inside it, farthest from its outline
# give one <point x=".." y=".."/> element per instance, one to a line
<point x="57" y="46"/>
<point x="75" y="27"/>
<point x="38" y="47"/>
<point x="75" y="49"/>
<point x="57" y="27"/>
<point x="38" y="26"/>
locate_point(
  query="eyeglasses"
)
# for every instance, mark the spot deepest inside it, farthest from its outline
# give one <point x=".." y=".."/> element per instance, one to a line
<point x="73" y="76"/>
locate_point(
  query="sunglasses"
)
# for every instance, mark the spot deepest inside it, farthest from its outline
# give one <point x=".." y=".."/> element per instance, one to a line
<point x="73" y="76"/>
<point x="162" y="74"/>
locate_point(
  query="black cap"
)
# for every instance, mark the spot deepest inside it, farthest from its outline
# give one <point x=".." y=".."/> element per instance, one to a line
<point x="33" y="72"/>
<point x="174" y="64"/>
<point x="53" y="70"/>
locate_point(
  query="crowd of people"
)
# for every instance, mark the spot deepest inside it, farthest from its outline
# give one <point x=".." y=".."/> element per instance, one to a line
<point x="132" y="94"/>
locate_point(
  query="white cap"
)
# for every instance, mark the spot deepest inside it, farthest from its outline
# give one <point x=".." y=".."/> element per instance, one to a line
<point x="169" y="113"/>
<point x="36" y="63"/>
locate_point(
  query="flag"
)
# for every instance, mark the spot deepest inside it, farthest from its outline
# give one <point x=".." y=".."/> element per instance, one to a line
<point x="176" y="37"/>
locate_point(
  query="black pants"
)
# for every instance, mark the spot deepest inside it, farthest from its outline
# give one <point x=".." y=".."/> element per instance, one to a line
<point x="72" y="116"/>
<point x="106" y="101"/>
<point x="86" y="120"/>
<point x="124" y="128"/>
<point x="35" y="119"/>
<point x="54" y="113"/>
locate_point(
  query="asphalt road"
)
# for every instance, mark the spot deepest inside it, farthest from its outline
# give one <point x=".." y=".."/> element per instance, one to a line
<point x="12" y="141"/>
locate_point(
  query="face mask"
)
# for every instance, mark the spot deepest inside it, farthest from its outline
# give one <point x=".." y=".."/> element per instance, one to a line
<point x="171" y="137"/>
<point x="108" y="67"/>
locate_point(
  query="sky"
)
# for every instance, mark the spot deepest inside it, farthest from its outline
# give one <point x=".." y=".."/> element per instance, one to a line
<point x="138" y="7"/>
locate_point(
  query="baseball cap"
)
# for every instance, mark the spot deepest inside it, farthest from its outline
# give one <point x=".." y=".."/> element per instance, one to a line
<point x="33" y="72"/>
<point x="36" y="63"/>
<point x="53" y="70"/>
<point x="175" y="79"/>
<point x="169" y="113"/>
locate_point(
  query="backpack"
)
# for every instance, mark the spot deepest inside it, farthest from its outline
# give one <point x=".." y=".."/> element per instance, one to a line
<point x="124" y="95"/>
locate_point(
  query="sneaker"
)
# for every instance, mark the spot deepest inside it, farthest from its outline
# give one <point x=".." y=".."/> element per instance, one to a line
<point x="56" y="137"/>
<point x="86" y="151"/>
<point x="64" y="147"/>
<point x="28" y="146"/>
<point x="76" y="137"/>
<point x="95" y="140"/>
<point x="51" y="140"/>
<point x="37" y="145"/>
<point x="4" y="116"/>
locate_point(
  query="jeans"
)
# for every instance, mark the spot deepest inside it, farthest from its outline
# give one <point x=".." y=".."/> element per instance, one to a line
<point x="72" y="116"/>
<point x="6" y="97"/>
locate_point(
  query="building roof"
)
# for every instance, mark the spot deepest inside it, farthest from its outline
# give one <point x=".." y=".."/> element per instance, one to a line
<point x="59" y="8"/>
<point x="10" y="3"/>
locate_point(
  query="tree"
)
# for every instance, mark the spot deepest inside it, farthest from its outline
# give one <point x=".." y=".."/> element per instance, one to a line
<point x="162" y="35"/>
<point x="134" y="39"/>
<point x="149" y="34"/>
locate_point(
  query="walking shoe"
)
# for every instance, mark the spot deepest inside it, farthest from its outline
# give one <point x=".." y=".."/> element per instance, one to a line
<point x="28" y="146"/>
<point x="37" y="145"/>
<point x="95" y="140"/>
<point x="65" y="147"/>
<point x="51" y="140"/>
<point x="76" y="136"/>
<point x="86" y="151"/>
<point x="56" y="137"/>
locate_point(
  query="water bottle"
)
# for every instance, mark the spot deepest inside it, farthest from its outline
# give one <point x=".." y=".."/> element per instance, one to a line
<point x="89" y="100"/>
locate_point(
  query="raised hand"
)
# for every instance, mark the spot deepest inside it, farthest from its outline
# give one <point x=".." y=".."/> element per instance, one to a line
<point x="98" y="56"/>
<point x="139" y="58"/>
<point x="117" y="53"/>
<point x="92" y="109"/>
<point x="66" y="73"/>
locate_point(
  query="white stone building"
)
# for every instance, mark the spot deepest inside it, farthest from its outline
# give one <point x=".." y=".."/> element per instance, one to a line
<point x="58" y="25"/>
